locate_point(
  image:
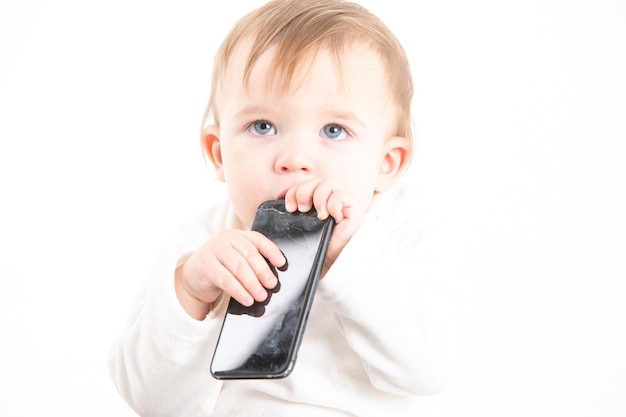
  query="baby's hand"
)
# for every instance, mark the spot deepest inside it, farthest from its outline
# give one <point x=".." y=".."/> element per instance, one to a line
<point x="328" y="199"/>
<point x="231" y="262"/>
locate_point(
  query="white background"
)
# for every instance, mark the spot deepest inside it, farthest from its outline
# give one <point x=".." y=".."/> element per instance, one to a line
<point x="520" y="115"/>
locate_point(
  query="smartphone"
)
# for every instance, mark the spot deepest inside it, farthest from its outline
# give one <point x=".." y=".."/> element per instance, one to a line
<point x="262" y="341"/>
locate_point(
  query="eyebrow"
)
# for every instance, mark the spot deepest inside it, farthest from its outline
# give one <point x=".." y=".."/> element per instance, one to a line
<point x="339" y="115"/>
<point x="254" y="109"/>
<point x="347" y="116"/>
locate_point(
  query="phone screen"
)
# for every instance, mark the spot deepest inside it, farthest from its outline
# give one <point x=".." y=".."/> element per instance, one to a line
<point x="261" y="341"/>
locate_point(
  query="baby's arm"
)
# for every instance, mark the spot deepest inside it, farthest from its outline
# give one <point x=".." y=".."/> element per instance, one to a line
<point x="398" y="305"/>
<point x="160" y="362"/>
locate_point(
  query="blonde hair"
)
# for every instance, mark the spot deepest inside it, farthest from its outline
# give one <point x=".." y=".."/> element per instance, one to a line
<point x="298" y="29"/>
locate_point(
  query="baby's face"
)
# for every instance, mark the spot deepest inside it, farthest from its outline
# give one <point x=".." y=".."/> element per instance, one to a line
<point x="329" y="124"/>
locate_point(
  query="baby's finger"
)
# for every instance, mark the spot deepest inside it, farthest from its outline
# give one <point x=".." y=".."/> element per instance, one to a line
<point x="266" y="258"/>
<point x="304" y="195"/>
<point x="268" y="249"/>
<point x="291" y="204"/>
<point x="338" y="205"/>
<point x="240" y="264"/>
<point x="224" y="279"/>
<point x="320" y="199"/>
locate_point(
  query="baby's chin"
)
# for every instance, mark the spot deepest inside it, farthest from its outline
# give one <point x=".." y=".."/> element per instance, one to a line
<point x="243" y="221"/>
<point x="244" y="213"/>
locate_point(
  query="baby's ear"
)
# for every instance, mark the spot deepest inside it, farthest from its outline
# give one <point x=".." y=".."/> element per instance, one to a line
<point x="395" y="158"/>
<point x="213" y="150"/>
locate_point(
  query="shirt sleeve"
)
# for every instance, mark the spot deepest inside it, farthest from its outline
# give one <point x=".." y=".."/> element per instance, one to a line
<point x="160" y="361"/>
<point x="400" y="299"/>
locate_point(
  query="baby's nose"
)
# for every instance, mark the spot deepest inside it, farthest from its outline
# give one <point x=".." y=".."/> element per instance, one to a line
<point x="295" y="156"/>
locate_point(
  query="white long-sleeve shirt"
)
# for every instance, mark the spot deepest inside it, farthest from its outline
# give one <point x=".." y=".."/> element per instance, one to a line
<point x="386" y="331"/>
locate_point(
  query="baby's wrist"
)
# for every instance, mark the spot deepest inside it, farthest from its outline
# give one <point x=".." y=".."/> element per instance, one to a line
<point x="196" y="308"/>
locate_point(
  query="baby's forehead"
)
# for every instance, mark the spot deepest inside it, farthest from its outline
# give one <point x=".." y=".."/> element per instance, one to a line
<point x="284" y="68"/>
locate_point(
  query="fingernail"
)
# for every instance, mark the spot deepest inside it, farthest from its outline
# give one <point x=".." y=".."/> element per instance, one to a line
<point x="285" y="266"/>
<point x="248" y="301"/>
<point x="262" y="294"/>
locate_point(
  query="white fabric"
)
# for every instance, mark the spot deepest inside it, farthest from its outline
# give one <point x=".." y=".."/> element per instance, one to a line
<point x="386" y="331"/>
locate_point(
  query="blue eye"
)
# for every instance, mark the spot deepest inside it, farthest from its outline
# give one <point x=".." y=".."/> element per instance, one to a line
<point x="262" y="128"/>
<point x="334" y="132"/>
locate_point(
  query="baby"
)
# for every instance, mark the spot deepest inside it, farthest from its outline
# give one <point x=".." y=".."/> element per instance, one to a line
<point x="310" y="103"/>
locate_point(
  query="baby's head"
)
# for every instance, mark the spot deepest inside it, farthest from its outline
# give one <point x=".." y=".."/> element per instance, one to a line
<point x="292" y="65"/>
<point x="298" y="29"/>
